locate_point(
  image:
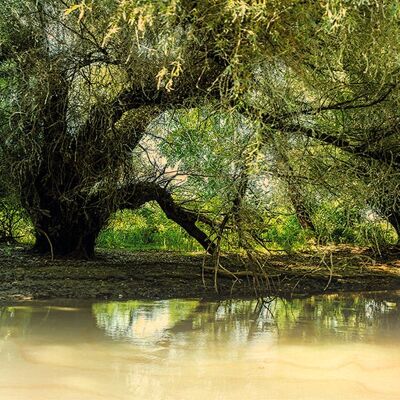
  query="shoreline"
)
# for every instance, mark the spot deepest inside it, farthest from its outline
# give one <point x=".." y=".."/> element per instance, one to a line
<point x="156" y="275"/>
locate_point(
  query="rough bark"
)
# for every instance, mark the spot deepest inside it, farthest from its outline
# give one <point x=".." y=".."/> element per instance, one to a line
<point x="293" y="189"/>
<point x="66" y="229"/>
<point x="302" y="213"/>
<point x="389" y="209"/>
<point x="394" y="219"/>
<point x="71" y="230"/>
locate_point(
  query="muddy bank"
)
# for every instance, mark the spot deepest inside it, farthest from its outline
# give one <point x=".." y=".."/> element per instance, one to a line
<point x="163" y="275"/>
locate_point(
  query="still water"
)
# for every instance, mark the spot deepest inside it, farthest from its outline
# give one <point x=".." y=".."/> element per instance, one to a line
<point x="327" y="347"/>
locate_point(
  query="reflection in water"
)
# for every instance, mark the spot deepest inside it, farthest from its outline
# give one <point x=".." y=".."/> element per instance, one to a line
<point x="14" y="319"/>
<point x="316" y="319"/>
<point x="140" y="321"/>
<point x="324" y="347"/>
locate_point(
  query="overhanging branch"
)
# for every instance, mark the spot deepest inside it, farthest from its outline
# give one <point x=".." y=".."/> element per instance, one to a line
<point x="386" y="156"/>
<point x="137" y="194"/>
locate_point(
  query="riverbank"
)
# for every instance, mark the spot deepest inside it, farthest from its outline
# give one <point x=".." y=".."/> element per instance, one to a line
<point x="163" y="275"/>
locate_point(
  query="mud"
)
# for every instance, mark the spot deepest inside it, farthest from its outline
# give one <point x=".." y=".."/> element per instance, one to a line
<point x="163" y="275"/>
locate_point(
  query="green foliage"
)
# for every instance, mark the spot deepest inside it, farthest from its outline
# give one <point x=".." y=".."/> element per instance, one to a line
<point x="338" y="224"/>
<point x="14" y="222"/>
<point x="145" y="229"/>
<point x="236" y="92"/>
<point x="149" y="229"/>
<point x="335" y="224"/>
<point x="15" y="226"/>
<point x="209" y="148"/>
<point x="285" y="232"/>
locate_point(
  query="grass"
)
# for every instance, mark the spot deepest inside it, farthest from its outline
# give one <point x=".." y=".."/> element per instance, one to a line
<point x="149" y="229"/>
<point x="145" y="229"/>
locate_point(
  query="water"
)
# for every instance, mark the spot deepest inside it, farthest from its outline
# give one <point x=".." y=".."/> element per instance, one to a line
<point x="328" y="347"/>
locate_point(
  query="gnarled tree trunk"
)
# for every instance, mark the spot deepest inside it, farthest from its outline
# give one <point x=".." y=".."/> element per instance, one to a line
<point x="392" y="214"/>
<point x="65" y="229"/>
<point x="293" y="189"/>
<point x="394" y="219"/>
<point x="76" y="179"/>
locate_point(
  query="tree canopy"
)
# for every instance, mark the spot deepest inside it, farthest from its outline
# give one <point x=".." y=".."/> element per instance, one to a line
<point x="205" y="107"/>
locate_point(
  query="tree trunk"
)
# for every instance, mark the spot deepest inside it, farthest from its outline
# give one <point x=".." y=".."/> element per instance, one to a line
<point x="68" y="232"/>
<point x="64" y="193"/>
<point x="187" y="220"/>
<point x="75" y="243"/>
<point x="388" y="207"/>
<point x="71" y="228"/>
<point x="293" y="189"/>
<point x="394" y="219"/>
<point x="144" y="192"/>
<point x="302" y="213"/>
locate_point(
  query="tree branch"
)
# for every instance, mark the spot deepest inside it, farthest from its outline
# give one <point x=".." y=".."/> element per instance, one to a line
<point x="351" y="104"/>
<point x="386" y="156"/>
<point x="137" y="194"/>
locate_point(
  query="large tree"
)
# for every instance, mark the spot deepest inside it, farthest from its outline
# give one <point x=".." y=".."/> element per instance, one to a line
<point x="81" y="99"/>
<point x="343" y="92"/>
<point x="86" y="79"/>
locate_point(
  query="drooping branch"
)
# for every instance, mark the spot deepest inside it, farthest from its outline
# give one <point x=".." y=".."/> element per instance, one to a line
<point x="137" y="194"/>
<point x="390" y="157"/>
<point x="383" y="155"/>
<point x="358" y="102"/>
<point x="194" y="81"/>
<point x="294" y="189"/>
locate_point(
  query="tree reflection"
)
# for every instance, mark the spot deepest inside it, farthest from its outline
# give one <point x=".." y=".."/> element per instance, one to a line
<point x="15" y="321"/>
<point x="361" y="317"/>
<point x="47" y="320"/>
<point x="141" y="321"/>
<point x="339" y="317"/>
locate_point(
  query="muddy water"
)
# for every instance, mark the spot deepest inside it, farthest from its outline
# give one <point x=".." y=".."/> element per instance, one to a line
<point x="328" y="347"/>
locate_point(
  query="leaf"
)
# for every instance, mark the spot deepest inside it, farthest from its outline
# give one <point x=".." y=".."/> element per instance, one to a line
<point x="82" y="13"/>
<point x="72" y="9"/>
<point x="160" y="76"/>
<point x="112" y="31"/>
<point x="81" y="7"/>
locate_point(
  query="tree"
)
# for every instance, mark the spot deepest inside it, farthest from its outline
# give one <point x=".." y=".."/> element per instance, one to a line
<point x="83" y="99"/>
<point x="347" y="97"/>
<point x="85" y="80"/>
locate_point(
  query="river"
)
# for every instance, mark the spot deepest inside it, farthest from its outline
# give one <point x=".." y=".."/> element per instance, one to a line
<point x="324" y="347"/>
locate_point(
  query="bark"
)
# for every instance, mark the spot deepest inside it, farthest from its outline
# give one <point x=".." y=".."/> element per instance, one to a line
<point x="394" y="219"/>
<point x="302" y="213"/>
<point x="242" y="185"/>
<point x="65" y="222"/>
<point x="73" y="241"/>
<point x="384" y="155"/>
<point x="367" y="150"/>
<point x="65" y="229"/>
<point x="294" y="191"/>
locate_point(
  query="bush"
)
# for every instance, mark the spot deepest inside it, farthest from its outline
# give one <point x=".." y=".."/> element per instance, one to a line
<point x="335" y="224"/>
<point x="286" y="233"/>
<point x="145" y="229"/>
<point x="14" y="224"/>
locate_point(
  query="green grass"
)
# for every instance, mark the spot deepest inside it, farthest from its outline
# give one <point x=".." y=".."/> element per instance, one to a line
<point x="145" y="229"/>
<point x="149" y="229"/>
